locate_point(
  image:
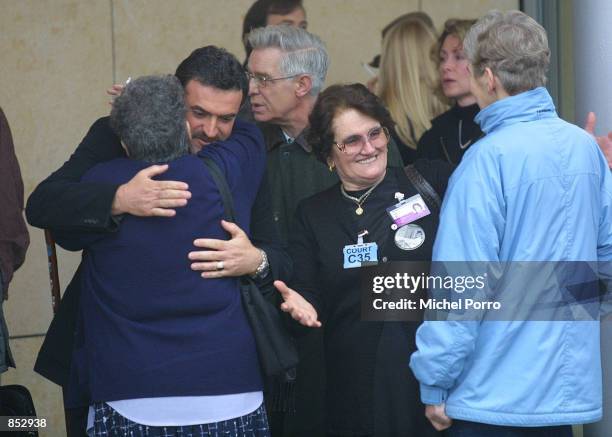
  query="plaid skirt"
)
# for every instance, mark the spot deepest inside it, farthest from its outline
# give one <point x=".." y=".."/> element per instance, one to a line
<point x="109" y="423"/>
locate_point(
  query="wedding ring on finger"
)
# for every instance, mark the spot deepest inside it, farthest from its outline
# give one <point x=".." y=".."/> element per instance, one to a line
<point x="220" y="265"/>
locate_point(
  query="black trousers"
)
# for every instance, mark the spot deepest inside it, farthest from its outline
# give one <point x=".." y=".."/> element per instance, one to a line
<point x="461" y="428"/>
<point x="76" y="422"/>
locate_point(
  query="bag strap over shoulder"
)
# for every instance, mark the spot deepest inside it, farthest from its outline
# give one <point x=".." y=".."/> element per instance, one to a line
<point x="226" y="194"/>
<point x="276" y="349"/>
<point x="424" y="188"/>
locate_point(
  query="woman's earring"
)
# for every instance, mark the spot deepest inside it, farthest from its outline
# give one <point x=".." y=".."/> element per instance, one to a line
<point x="331" y="166"/>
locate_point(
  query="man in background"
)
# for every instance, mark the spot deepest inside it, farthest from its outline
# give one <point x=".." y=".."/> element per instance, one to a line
<point x="264" y="13"/>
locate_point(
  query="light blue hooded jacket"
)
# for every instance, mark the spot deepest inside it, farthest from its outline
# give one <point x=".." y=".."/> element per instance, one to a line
<point x="535" y="188"/>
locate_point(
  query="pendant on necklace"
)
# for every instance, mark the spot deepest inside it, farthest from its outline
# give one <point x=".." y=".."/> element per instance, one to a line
<point x="359" y="210"/>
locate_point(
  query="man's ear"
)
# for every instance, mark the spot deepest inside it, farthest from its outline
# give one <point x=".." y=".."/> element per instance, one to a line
<point x="303" y="85"/>
<point x="188" y="129"/>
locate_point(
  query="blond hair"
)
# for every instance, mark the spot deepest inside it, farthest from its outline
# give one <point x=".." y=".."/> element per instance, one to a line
<point x="408" y="78"/>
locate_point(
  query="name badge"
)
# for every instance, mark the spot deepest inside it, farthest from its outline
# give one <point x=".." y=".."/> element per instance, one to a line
<point x="408" y="210"/>
<point x="360" y="255"/>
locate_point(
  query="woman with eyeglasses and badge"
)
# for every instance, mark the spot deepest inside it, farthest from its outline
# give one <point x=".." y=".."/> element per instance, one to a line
<point x="452" y="132"/>
<point x="378" y="212"/>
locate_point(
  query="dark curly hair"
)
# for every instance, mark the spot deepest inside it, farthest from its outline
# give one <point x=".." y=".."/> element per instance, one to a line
<point x="331" y="102"/>
<point x="149" y="117"/>
<point x="213" y="66"/>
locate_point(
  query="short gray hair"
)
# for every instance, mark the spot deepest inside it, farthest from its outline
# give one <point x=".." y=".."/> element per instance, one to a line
<point x="303" y="52"/>
<point x="149" y="117"/>
<point x="513" y="45"/>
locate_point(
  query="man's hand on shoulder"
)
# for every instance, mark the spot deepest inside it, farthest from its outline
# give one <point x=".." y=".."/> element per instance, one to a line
<point x="143" y="196"/>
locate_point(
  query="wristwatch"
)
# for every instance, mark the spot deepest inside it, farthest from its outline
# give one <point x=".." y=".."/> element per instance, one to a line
<point x="264" y="268"/>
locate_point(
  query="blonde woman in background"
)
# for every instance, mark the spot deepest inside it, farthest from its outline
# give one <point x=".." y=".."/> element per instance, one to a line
<point x="455" y="130"/>
<point x="407" y="80"/>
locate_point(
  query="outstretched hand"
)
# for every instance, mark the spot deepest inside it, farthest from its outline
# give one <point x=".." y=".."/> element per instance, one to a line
<point x="299" y="308"/>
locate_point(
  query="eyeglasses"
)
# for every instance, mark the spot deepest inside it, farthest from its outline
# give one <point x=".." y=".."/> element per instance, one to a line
<point x="263" y="81"/>
<point x="377" y="137"/>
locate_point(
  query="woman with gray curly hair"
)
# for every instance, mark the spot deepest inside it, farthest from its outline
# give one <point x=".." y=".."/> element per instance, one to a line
<point x="150" y="325"/>
<point x="158" y="134"/>
<point x="535" y="188"/>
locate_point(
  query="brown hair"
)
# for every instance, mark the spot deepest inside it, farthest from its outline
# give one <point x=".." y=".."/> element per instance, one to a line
<point x="333" y="101"/>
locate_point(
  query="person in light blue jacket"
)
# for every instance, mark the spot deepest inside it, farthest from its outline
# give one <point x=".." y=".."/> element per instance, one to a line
<point x="535" y="188"/>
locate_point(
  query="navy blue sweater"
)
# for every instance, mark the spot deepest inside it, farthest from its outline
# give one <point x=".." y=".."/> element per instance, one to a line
<point x="152" y="327"/>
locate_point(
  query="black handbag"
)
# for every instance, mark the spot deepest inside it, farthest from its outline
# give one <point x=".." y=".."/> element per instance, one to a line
<point x="275" y="347"/>
<point x="423" y="187"/>
<point x="16" y="400"/>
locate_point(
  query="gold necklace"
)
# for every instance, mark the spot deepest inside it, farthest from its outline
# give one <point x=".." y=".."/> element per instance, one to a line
<point x="359" y="200"/>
